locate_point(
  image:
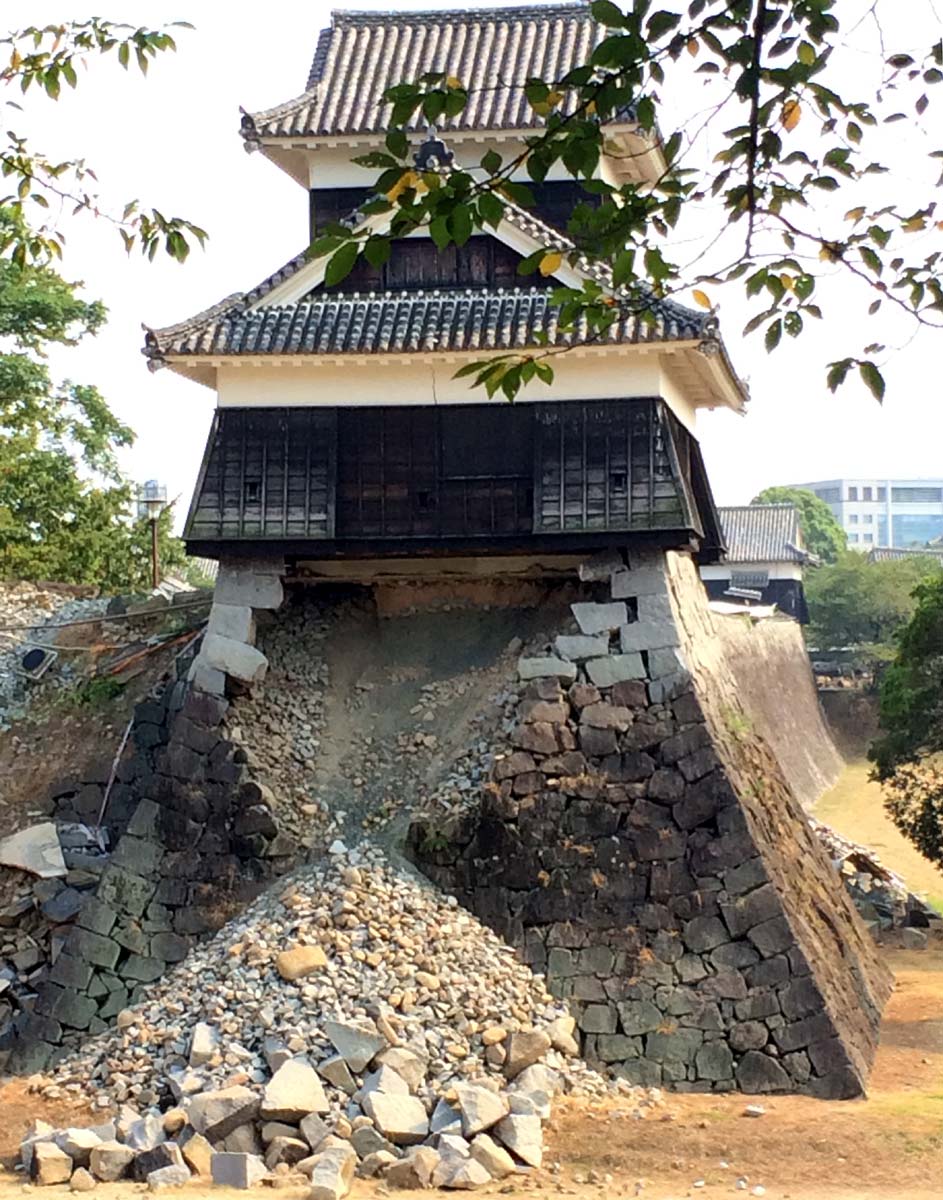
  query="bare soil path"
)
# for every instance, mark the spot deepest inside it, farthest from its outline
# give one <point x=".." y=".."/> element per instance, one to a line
<point x="855" y="807"/>
<point x="888" y="1147"/>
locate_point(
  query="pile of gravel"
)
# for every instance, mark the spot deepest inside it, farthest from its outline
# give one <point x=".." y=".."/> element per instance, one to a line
<point x="374" y="944"/>
<point x="357" y="1020"/>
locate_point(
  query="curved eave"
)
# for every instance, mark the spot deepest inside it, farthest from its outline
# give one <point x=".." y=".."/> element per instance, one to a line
<point x="638" y="159"/>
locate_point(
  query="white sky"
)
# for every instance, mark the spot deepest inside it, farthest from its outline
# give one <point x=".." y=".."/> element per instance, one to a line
<point x="172" y="141"/>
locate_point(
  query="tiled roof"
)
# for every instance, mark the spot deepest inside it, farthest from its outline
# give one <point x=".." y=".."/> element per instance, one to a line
<point x="510" y="316"/>
<point x="889" y="553"/>
<point x="493" y="51"/>
<point x="402" y="322"/>
<point x="762" y="533"/>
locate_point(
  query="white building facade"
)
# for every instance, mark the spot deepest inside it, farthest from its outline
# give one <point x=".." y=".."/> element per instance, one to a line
<point x="898" y="513"/>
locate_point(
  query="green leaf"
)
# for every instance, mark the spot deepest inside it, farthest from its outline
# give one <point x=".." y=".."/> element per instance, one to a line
<point x="397" y="143"/>
<point x="490" y="209"/>
<point x="661" y="23"/>
<point x="773" y="335"/>
<point x="377" y="250"/>
<point x="871" y="260"/>
<point x="530" y="264"/>
<point x="439" y="231"/>
<point x="606" y="13"/>
<point x="872" y="379"/>
<point x="461" y="223"/>
<point x="623" y="269"/>
<point x="491" y="162"/>
<point x="837" y="371"/>
<point x="340" y="264"/>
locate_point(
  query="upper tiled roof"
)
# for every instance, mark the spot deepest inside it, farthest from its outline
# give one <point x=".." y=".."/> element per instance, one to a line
<point x="762" y="533"/>
<point x="493" y="51"/>
<point x="402" y="322"/>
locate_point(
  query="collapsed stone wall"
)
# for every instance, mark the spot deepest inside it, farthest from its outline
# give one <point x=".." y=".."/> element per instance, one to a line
<point x="198" y="838"/>
<point x="640" y="843"/>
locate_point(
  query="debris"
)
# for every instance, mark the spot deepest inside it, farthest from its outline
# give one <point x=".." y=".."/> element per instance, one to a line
<point x="36" y="850"/>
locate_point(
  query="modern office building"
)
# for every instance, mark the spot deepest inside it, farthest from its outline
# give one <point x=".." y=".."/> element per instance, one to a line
<point x="873" y="512"/>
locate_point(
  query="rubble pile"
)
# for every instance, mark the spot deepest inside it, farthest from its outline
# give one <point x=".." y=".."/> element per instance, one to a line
<point x="25" y="608"/>
<point x="357" y="1022"/>
<point x="37" y="914"/>
<point x="281" y="721"/>
<point x="880" y="895"/>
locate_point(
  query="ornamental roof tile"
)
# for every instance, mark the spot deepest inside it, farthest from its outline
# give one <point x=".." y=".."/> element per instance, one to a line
<point x="762" y="533"/>
<point x="494" y="51"/>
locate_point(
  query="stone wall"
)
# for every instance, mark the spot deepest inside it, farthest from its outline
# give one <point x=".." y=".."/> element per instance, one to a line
<point x="776" y="690"/>
<point x="639" y="842"/>
<point x="197" y="836"/>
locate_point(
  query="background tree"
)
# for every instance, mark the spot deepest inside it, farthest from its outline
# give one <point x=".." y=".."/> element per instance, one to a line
<point x="64" y="504"/>
<point x="854" y="602"/>
<point x="908" y="756"/>
<point x="50" y="59"/>
<point x="797" y="192"/>
<point x="912" y="688"/>
<point x="821" y="532"/>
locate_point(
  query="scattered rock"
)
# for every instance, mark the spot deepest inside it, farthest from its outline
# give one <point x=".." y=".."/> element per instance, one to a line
<point x="173" y="1175"/>
<point x="332" y="1174"/>
<point x="523" y="1137"/>
<point x="293" y="1092"/>
<point x="50" y="1164"/>
<point x="109" y="1161"/>
<point x="300" y="961"/>
<point x="480" y="1108"/>
<point x="237" y="1170"/>
<point x="401" y="1119"/>
<point x="36" y="850"/>
<point x="355" y="1045"/>
<point x="524" y="1049"/>
<point x="494" y="1158"/>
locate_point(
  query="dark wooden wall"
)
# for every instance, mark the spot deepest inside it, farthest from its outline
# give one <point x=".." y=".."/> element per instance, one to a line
<point x="416" y="263"/>
<point x="443" y="473"/>
<point x="553" y="202"/>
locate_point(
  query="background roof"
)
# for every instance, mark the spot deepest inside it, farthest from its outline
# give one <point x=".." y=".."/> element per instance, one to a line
<point x="762" y="533"/>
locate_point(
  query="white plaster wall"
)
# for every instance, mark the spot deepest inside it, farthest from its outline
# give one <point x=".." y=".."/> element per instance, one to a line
<point x="406" y="380"/>
<point x="777" y="570"/>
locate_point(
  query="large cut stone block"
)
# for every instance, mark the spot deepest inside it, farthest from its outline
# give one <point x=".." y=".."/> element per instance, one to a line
<point x="546" y="668"/>
<point x="254" y="583"/>
<point x="617" y="668"/>
<point x="242" y="662"/>
<point x="235" y="621"/>
<point x="578" y="647"/>
<point x="599" y="618"/>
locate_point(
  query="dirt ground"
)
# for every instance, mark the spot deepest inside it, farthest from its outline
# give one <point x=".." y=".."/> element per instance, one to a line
<point x="854" y="807"/>
<point x="889" y="1145"/>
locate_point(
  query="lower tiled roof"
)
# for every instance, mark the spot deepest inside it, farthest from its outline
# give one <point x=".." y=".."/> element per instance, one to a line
<point x="403" y="322"/>
<point x="762" y="533"/>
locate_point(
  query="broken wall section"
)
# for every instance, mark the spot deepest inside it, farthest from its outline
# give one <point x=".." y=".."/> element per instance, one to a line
<point x="639" y="843"/>
<point x="201" y="838"/>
